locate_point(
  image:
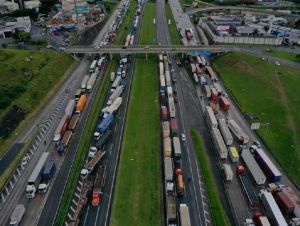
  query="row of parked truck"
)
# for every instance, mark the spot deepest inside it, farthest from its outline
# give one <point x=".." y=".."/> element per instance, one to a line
<point x="277" y="206"/>
<point x="172" y="149"/>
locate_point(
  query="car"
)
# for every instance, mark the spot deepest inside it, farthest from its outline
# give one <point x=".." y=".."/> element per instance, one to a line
<point x="25" y="161"/>
<point x="277" y="63"/>
<point x="61" y="48"/>
<point x="92" y="152"/>
<point x="225" y="95"/>
<point x="183" y="137"/>
<point x="257" y="143"/>
<point x="263" y="58"/>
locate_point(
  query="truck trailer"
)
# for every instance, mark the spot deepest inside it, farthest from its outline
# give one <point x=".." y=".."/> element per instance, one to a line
<point x="98" y="183"/>
<point x="64" y="143"/>
<point x="70" y="107"/>
<point x="211" y="118"/>
<point x="237" y="131"/>
<point x="228" y="139"/>
<point x="118" y="92"/>
<point x="167" y="147"/>
<point x="174" y="127"/>
<point x="61" y="128"/>
<point x="47" y="176"/>
<point x="227" y="172"/>
<point x="103" y="126"/>
<point x="184" y="215"/>
<point x="169" y="174"/>
<point x="177" y="148"/>
<point x="91" y="82"/>
<point x="73" y="122"/>
<point x="36" y="176"/>
<point x="84" y="82"/>
<point x="221" y="147"/>
<point x="80" y="104"/>
<point x="171" y="209"/>
<point x="17" y="215"/>
<point x="166" y="129"/>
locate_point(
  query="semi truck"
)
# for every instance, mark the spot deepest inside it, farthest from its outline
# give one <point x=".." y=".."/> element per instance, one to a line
<point x="118" y="92"/>
<point x="171" y="209"/>
<point x="221" y="147"/>
<point x="247" y="188"/>
<point x="174" y="126"/>
<point x="167" y="147"/>
<point x="211" y="73"/>
<point x="237" y="131"/>
<point x="91" y="82"/>
<point x="184" y="215"/>
<point x="103" y="126"/>
<point x="271" y="208"/>
<point x="227" y="172"/>
<point x="103" y="140"/>
<point x="228" y="139"/>
<point x="203" y="81"/>
<point x="98" y="183"/>
<point x="73" y="122"/>
<point x="218" y="88"/>
<point x="260" y="219"/>
<point x="116" y="83"/>
<point x="84" y="82"/>
<point x="171" y="107"/>
<point x="70" y="107"/>
<point x="168" y="78"/>
<point x="36" y="176"/>
<point x="169" y="175"/>
<point x="77" y="94"/>
<point x="80" y="104"/>
<point x="207" y="91"/>
<point x="224" y="103"/>
<point x="164" y="113"/>
<point x="179" y="182"/>
<point x="211" y="118"/>
<point x="47" y="176"/>
<point x="17" y="215"/>
<point x="253" y="167"/>
<point x="214" y="94"/>
<point x="162" y="87"/>
<point x="64" y="143"/>
<point x="112" y="76"/>
<point x="112" y="109"/>
<point x="284" y="203"/>
<point x="233" y="154"/>
<point x="61" y="128"/>
<point x="177" y="148"/>
<point x="166" y="129"/>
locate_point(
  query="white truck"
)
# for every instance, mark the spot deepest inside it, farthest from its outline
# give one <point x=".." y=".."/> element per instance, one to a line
<point x="91" y="82"/>
<point x="112" y="108"/>
<point x="225" y="132"/>
<point x="115" y="94"/>
<point x="212" y="121"/>
<point x="171" y="107"/>
<point x="237" y="131"/>
<point x="84" y="82"/>
<point x="222" y="150"/>
<point x="169" y="175"/>
<point x="17" y="215"/>
<point x="36" y="177"/>
<point x="228" y="172"/>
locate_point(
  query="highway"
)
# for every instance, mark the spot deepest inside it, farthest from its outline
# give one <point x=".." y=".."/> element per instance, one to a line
<point x="244" y="9"/>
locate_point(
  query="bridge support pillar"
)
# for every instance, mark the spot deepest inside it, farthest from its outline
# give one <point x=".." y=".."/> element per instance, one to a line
<point x="146" y="56"/>
<point x="111" y="56"/>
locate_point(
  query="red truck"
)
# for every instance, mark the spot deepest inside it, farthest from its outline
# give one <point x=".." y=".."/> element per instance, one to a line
<point x="61" y="128"/>
<point x="174" y="126"/>
<point x="260" y="219"/>
<point x="214" y="94"/>
<point x="199" y="71"/>
<point x="164" y="113"/>
<point x="224" y="103"/>
<point x="284" y="202"/>
<point x="189" y="34"/>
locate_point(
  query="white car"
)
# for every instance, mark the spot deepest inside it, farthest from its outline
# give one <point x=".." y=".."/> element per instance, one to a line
<point x="277" y="63"/>
<point x="25" y="161"/>
<point x="92" y="152"/>
<point x="183" y="137"/>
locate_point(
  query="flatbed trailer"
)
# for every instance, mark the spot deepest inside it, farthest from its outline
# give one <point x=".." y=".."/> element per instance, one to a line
<point x="91" y="164"/>
<point x="98" y="183"/>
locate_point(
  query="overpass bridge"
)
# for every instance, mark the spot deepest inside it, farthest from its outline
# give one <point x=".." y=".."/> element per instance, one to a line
<point x="146" y="49"/>
<point x="244" y="9"/>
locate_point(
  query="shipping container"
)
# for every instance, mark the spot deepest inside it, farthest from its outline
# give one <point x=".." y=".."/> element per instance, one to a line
<point x="222" y="150"/>
<point x="267" y="166"/>
<point x="164" y="113"/>
<point x="116" y="83"/>
<point x="112" y="76"/>
<point x="294" y="198"/>
<point x="169" y="171"/>
<point x="161" y="68"/>
<point x="73" y="122"/>
<point x="84" y="82"/>
<point x="177" y="148"/>
<point x="228" y="172"/>
<point x="184" y="215"/>
<point x="207" y="91"/>
<point x="160" y="57"/>
<point x="80" y="104"/>
<point x="271" y="208"/>
<point x="233" y="154"/>
<point x="90" y="83"/>
<point x="70" y="107"/>
<point x="284" y="203"/>
<point x="218" y="88"/>
<point x="214" y="107"/>
<point x="118" y="92"/>
<point x="171" y="209"/>
<point x="211" y="73"/>
<point x="228" y="139"/>
<point x="162" y="80"/>
<point x="168" y="78"/>
<point x="174" y="127"/>
<point x="250" y="193"/>
<point x="214" y="94"/>
<point x="166" y="129"/>
<point x="167" y="147"/>
<point x="180" y="182"/>
<point x="171" y="107"/>
<point x="61" y="128"/>
<point x="253" y="167"/>
<point x="237" y="131"/>
<point x="212" y="121"/>
<point x="169" y="91"/>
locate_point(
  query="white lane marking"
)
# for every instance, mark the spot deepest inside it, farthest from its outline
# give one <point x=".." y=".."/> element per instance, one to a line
<point x="87" y="213"/>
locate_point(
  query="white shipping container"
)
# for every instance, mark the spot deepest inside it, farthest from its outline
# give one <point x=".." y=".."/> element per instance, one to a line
<point x="91" y="83"/>
<point x="211" y="117"/>
<point x="168" y="78"/>
<point x="169" y="91"/>
<point x="161" y="68"/>
<point x="218" y="88"/>
<point x="168" y="169"/>
<point x="228" y="171"/>
<point x="171" y="107"/>
<point x="237" y="131"/>
<point x="177" y="147"/>
<point x="225" y="132"/>
<point x="253" y="167"/>
<point x="207" y="91"/>
<point x="84" y="82"/>
<point x="222" y="150"/>
<point x="166" y="129"/>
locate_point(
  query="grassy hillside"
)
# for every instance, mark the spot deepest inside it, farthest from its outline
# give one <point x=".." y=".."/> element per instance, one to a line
<point x="272" y="92"/>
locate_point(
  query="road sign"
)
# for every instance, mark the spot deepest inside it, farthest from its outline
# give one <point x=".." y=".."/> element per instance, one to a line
<point x="255" y="125"/>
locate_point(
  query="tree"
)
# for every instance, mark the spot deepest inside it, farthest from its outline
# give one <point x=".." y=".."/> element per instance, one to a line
<point x="21" y="36"/>
<point x="4" y="45"/>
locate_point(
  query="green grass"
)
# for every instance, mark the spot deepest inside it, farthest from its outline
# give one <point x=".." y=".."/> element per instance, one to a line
<point x="137" y="197"/>
<point x="274" y="97"/>
<point x="285" y="55"/>
<point x="175" y="37"/>
<point x="148" y="30"/>
<point x="29" y="84"/>
<point x="125" y="26"/>
<point x="218" y="212"/>
<point x="84" y="145"/>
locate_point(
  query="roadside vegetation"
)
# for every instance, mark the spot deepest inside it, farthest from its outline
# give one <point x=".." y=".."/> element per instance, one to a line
<point x="272" y="92"/>
<point x="84" y="145"/>
<point x="137" y="197"/>
<point x="218" y="211"/>
<point x="27" y="80"/>
<point x="126" y="25"/>
<point x="148" y="30"/>
<point x="175" y="36"/>
<point x="285" y="55"/>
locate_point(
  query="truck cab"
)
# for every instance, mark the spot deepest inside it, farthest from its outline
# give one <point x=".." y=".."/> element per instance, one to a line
<point x="30" y="191"/>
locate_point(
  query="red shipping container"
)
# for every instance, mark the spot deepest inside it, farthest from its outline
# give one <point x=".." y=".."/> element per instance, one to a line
<point x="191" y="59"/>
<point x="164" y="113"/>
<point x="284" y="202"/>
<point x="199" y="71"/>
<point x="174" y="126"/>
<point x="224" y="103"/>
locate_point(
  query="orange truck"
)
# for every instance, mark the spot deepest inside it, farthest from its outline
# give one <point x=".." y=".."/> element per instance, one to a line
<point x="81" y="103"/>
<point x="98" y="183"/>
<point x="180" y="182"/>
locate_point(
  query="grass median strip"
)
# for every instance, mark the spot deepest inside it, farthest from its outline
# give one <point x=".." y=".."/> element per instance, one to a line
<point x="175" y="37"/>
<point x="148" y="30"/>
<point x="272" y="93"/>
<point x="218" y="212"/>
<point x="84" y="145"/>
<point x="137" y="199"/>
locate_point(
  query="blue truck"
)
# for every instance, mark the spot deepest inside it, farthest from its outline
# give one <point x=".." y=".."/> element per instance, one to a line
<point x="47" y="175"/>
<point x="103" y="126"/>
